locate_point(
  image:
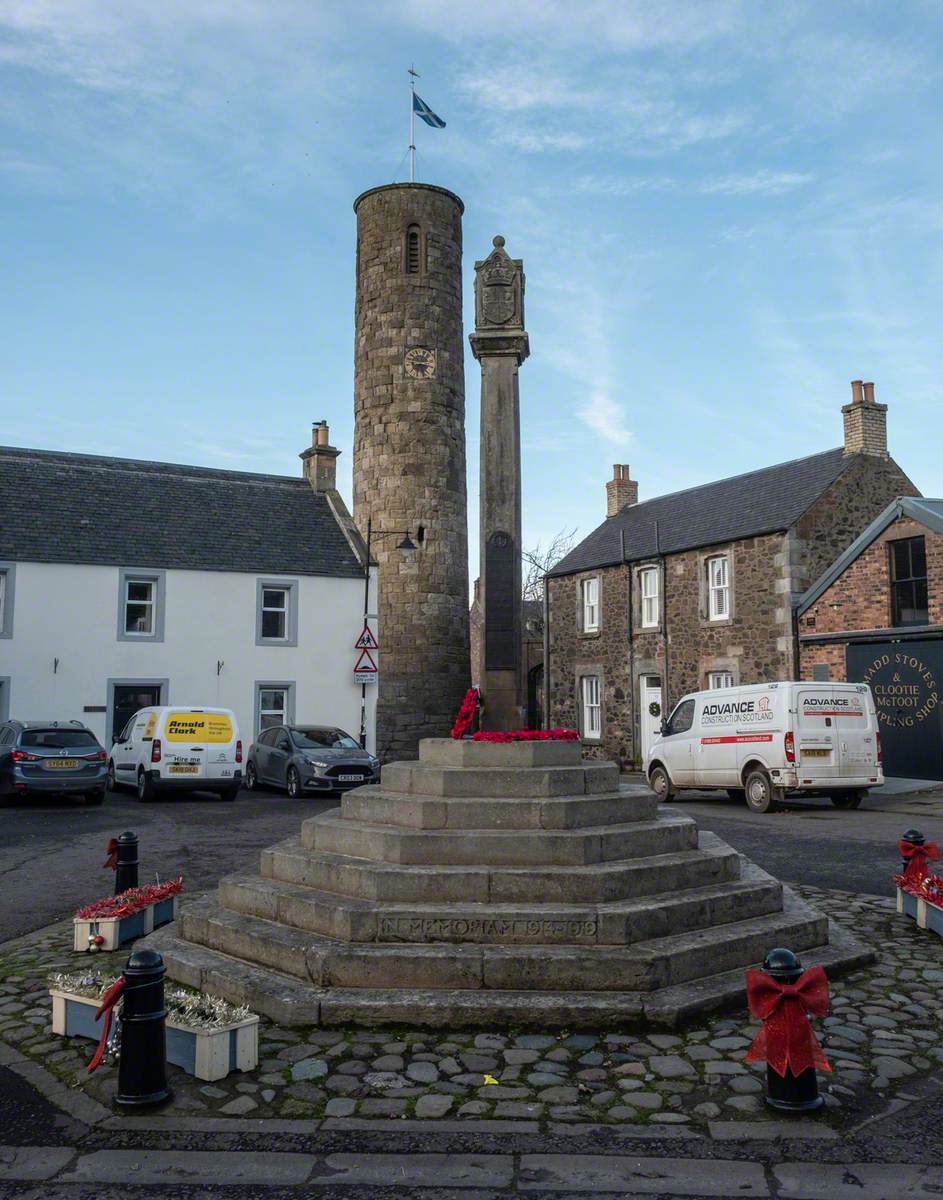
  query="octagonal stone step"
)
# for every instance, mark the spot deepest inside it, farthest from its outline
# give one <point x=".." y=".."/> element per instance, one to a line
<point x="451" y="752"/>
<point x="644" y="966"/>
<point x="712" y="862"/>
<point x="378" y="806"/>
<point x="506" y="782"/>
<point x="568" y="847"/>
<point x="349" y="919"/>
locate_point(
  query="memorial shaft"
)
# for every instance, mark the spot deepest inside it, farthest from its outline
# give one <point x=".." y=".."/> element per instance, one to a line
<point x="500" y="345"/>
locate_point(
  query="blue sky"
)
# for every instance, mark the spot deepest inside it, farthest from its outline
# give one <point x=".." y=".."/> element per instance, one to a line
<point x="726" y="212"/>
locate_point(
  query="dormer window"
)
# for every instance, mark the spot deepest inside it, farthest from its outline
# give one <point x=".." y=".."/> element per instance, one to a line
<point x="413" y="250"/>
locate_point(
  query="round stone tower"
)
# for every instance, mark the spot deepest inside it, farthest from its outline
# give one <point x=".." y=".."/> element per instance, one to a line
<point x="409" y="453"/>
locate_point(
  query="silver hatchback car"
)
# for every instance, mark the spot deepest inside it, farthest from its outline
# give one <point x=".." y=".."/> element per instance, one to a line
<point x="309" y="758"/>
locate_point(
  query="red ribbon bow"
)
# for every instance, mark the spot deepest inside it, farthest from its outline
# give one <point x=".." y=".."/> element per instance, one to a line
<point x="109" y="1000"/>
<point x="916" y="855"/>
<point x="112" y="851"/>
<point x="786" y="1039"/>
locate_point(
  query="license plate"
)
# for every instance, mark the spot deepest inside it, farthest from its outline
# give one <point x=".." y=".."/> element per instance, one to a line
<point x="816" y="753"/>
<point x="349" y="778"/>
<point x="62" y="764"/>
<point x="184" y="770"/>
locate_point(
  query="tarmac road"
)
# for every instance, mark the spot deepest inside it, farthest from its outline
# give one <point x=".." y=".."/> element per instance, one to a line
<point x="53" y="850"/>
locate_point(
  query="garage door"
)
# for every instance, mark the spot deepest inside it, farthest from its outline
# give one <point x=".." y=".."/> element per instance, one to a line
<point x="906" y="679"/>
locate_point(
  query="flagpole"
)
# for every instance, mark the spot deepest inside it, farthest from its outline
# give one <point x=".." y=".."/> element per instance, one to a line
<point x="412" y="125"/>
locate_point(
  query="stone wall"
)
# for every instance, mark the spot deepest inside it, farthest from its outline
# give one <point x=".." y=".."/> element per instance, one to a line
<point x="860" y="599"/>
<point x="409" y="454"/>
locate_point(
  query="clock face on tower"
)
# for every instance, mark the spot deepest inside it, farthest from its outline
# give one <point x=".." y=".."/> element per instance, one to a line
<point x="420" y="363"/>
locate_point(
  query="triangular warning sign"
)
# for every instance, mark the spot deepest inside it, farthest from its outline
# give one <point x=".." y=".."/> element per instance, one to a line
<point x="365" y="664"/>
<point x="366" y="641"/>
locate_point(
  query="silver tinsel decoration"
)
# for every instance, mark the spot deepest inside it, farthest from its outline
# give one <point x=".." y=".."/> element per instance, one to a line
<point x="195" y="1009"/>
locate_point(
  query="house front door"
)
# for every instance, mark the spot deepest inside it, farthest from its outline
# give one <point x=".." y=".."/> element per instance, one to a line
<point x="649" y="719"/>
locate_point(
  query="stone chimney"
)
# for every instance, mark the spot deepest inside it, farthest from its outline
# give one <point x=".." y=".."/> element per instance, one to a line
<point x="621" y="491"/>
<point x="319" y="461"/>
<point x="865" y="422"/>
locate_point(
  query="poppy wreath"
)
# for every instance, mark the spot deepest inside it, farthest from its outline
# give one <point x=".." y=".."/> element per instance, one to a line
<point x="466" y="714"/>
<point x="528" y="735"/>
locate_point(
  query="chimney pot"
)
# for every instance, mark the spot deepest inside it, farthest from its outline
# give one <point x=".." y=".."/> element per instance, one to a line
<point x="865" y="422"/>
<point x="621" y="491"/>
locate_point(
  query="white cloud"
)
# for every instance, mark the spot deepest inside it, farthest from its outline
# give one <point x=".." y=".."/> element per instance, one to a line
<point x="606" y="418"/>
<point x="758" y="183"/>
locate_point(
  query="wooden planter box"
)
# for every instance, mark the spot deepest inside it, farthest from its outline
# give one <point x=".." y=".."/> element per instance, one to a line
<point x="118" y="930"/>
<point x="927" y="915"/>
<point x="208" y="1054"/>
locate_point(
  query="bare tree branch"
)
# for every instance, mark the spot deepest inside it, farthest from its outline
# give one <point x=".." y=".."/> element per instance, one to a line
<point x="540" y="559"/>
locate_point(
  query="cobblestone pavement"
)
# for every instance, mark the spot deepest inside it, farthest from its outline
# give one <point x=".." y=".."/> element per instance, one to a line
<point x="883" y="1031"/>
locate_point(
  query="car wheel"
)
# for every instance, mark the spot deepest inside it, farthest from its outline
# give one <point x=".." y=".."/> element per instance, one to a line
<point x="112" y="782"/>
<point x="252" y="780"/>
<point x="848" y="799"/>
<point x="735" y="794"/>
<point x="660" y="783"/>
<point x="761" y="795"/>
<point x="94" y="798"/>
<point x="146" y="789"/>
<point x="294" y="783"/>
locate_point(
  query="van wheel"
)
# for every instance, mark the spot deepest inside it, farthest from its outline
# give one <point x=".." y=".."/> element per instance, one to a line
<point x="736" y="794"/>
<point x="294" y="784"/>
<point x="660" y="783"/>
<point x="848" y="799"/>
<point x="111" y="784"/>
<point x="761" y="796"/>
<point x="252" y="780"/>
<point x="146" y="789"/>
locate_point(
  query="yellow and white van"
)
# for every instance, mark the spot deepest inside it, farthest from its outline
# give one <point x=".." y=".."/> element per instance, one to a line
<point x="759" y="742"/>
<point x="178" y="747"/>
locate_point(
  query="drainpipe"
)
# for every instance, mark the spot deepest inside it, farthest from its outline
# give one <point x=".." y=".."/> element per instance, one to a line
<point x="666" y="706"/>
<point x="632" y="692"/>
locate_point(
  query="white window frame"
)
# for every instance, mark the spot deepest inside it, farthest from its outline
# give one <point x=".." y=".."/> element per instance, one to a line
<point x="651" y="597"/>
<point x="591" y="706"/>
<point x="589" y="595"/>
<point x="155" y="580"/>
<point x="290" y="588"/>
<point x="285" y="714"/>
<point x="719" y="679"/>
<point x="718" y="587"/>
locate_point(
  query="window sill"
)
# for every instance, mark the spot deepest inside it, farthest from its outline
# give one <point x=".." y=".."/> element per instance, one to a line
<point x="589" y="633"/>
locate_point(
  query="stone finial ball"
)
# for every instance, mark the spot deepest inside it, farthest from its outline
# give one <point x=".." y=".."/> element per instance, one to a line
<point x="498" y="241"/>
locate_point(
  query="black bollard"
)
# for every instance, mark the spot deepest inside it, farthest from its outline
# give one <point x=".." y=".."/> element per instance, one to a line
<point x="789" y="1093"/>
<point x="126" y="858"/>
<point x="142" y="1064"/>
<point x="916" y="838"/>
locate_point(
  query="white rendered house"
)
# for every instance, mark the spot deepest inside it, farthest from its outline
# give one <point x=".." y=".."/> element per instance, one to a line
<point x="125" y="584"/>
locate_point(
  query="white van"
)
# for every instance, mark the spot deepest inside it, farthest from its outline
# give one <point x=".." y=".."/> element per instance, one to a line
<point x="178" y="747"/>
<point x="761" y="741"/>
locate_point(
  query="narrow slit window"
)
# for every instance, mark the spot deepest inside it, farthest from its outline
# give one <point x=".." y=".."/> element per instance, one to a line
<point x="412" y="250"/>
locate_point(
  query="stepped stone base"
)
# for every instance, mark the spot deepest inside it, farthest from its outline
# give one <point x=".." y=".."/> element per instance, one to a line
<point x="494" y="884"/>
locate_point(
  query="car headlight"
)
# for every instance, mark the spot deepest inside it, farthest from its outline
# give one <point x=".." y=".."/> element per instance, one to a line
<point x="313" y="762"/>
<point x="374" y="762"/>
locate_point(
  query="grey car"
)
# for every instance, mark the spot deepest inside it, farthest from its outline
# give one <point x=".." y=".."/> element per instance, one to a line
<point x="309" y="758"/>
<point x="51" y="758"/>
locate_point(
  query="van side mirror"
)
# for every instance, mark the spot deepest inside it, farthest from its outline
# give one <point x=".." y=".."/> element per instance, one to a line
<point x="664" y="727"/>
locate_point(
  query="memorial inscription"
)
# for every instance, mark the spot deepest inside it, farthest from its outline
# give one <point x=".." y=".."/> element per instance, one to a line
<point x="500" y="648"/>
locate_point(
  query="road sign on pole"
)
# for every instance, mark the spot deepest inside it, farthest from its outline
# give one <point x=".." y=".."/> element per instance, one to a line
<point x="366" y="669"/>
<point x="366" y="641"/>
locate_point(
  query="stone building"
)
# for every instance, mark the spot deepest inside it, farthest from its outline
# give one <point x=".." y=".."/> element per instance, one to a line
<point x="409" y="453"/>
<point x="696" y="589"/>
<point x="876" y="616"/>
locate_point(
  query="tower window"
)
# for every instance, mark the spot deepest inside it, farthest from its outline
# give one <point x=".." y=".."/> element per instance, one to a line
<point x="412" y="250"/>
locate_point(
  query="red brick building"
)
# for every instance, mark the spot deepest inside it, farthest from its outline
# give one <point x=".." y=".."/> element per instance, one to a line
<point x="697" y="589"/>
<point x="876" y="616"/>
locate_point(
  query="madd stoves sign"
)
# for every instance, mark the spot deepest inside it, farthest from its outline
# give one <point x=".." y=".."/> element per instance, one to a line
<point x="906" y="679"/>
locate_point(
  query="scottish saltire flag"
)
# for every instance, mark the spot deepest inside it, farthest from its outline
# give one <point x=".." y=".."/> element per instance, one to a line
<point x="422" y="109"/>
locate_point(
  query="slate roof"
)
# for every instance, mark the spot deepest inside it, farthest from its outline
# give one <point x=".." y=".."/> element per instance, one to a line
<point x="81" y="508"/>
<point x="924" y="511"/>
<point x="763" y="501"/>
